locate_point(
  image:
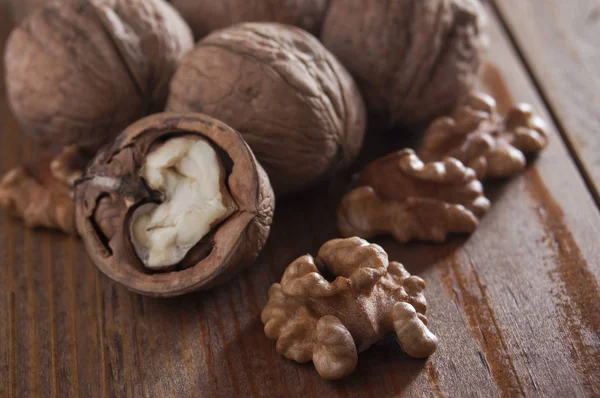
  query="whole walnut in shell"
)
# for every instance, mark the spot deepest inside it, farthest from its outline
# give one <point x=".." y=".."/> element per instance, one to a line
<point x="330" y="322"/>
<point x="178" y="203"/>
<point x="78" y="72"/>
<point x="204" y="16"/>
<point x="294" y="104"/>
<point x="412" y="59"/>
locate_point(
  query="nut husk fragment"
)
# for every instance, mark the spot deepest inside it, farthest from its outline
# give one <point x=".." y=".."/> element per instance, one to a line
<point x="330" y="322"/>
<point x="491" y="144"/>
<point x="80" y="71"/>
<point x="402" y="196"/>
<point x="204" y="16"/>
<point x="112" y="189"/>
<point x="292" y="101"/>
<point x="413" y="60"/>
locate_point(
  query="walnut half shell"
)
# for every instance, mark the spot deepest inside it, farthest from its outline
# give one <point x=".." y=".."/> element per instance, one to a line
<point x="178" y="203"/>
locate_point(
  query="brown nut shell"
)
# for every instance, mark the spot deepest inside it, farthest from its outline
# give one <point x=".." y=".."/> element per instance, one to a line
<point x="292" y="101"/>
<point x="413" y="60"/>
<point x="21" y="8"/>
<point x="80" y="71"/>
<point x="112" y="189"/>
<point x="204" y="16"/>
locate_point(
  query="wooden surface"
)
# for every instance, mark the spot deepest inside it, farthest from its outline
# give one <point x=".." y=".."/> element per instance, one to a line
<point x="560" y="41"/>
<point x="516" y="306"/>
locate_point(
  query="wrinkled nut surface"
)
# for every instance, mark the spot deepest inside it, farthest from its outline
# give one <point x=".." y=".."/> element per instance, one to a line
<point x="402" y="196"/>
<point x="34" y="194"/>
<point x="204" y="16"/>
<point x="331" y="322"/>
<point x="413" y="60"/>
<point x="294" y="104"/>
<point x="492" y="145"/>
<point x="21" y="8"/>
<point x="80" y="71"/>
<point x="178" y="203"/>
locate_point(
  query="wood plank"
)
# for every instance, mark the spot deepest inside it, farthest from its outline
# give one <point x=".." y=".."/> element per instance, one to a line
<point x="560" y="41"/>
<point x="512" y="305"/>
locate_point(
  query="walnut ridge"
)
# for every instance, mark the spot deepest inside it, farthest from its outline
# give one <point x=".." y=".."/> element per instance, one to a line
<point x="331" y="322"/>
<point x="205" y="16"/>
<point x="413" y="60"/>
<point x="492" y="145"/>
<point x="294" y="104"/>
<point x="153" y="170"/>
<point x="400" y="195"/>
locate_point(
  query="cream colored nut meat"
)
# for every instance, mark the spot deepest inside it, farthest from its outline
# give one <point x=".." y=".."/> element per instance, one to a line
<point x="188" y="172"/>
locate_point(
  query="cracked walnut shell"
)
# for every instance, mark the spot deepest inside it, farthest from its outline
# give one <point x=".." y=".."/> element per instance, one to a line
<point x="402" y="196"/>
<point x="477" y="135"/>
<point x="205" y="16"/>
<point x="413" y="60"/>
<point x="292" y="101"/>
<point x="80" y="71"/>
<point x="331" y="322"/>
<point x="177" y="203"/>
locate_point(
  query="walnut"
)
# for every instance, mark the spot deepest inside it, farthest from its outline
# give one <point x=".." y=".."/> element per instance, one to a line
<point x="33" y="193"/>
<point x="294" y="104"/>
<point x="21" y="8"/>
<point x="78" y="72"/>
<point x="178" y="203"/>
<point x="204" y="16"/>
<point x="479" y="137"/>
<point x="413" y="60"/>
<point x="402" y="196"/>
<point x="330" y="322"/>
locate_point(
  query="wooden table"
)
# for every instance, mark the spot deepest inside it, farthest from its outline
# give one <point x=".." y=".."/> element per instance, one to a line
<point x="516" y="306"/>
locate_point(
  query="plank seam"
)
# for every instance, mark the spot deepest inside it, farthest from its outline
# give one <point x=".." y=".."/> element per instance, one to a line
<point x="587" y="178"/>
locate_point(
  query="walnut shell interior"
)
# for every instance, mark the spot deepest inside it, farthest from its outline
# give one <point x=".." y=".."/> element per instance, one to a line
<point x="112" y="189"/>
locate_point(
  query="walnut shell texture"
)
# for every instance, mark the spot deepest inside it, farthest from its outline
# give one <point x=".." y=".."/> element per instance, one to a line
<point x="329" y="322"/>
<point x="205" y="16"/>
<point x="402" y="196"/>
<point x="20" y="9"/>
<point x="494" y="146"/>
<point x="294" y="104"/>
<point x="412" y="59"/>
<point x="80" y="71"/>
<point x="112" y="189"/>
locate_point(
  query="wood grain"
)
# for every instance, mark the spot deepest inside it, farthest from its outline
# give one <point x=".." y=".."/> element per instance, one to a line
<point x="514" y="305"/>
<point x="560" y="42"/>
